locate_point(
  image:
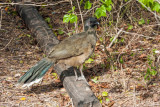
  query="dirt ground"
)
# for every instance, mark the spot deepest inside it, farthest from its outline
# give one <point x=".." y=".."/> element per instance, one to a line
<point x="123" y="80"/>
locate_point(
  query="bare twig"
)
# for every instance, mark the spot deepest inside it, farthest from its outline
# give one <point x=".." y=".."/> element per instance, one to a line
<point x="134" y="96"/>
<point x="137" y="34"/>
<point x="34" y="3"/>
<point x="7" y="44"/>
<point x="90" y="10"/>
<point x="158" y="1"/>
<point x="80" y="14"/>
<point x="1" y="18"/>
<point x="148" y="9"/>
<point x="75" y="24"/>
<point x="115" y="38"/>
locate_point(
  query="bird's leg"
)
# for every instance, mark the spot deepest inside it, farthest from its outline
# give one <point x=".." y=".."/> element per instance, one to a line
<point x="76" y="74"/>
<point x="82" y="76"/>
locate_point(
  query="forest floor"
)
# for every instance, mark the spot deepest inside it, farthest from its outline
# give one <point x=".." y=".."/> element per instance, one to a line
<point x="117" y="79"/>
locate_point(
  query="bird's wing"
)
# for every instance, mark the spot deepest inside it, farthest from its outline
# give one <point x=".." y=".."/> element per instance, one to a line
<point x="72" y="46"/>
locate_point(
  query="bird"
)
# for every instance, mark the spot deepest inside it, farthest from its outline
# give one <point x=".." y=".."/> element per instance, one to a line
<point x="72" y="51"/>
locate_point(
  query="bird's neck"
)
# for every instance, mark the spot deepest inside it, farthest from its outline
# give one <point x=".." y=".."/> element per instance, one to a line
<point x="91" y="31"/>
<point x="92" y="37"/>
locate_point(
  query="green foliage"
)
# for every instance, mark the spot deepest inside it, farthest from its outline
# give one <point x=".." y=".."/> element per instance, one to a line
<point x="101" y="39"/>
<point x="48" y="20"/>
<point x="100" y="11"/>
<point x="81" y="2"/>
<point x="28" y="35"/>
<point x="112" y="39"/>
<point x="95" y="79"/>
<point x="154" y="51"/>
<point x="148" y="21"/>
<point x="156" y="7"/>
<point x="130" y="27"/>
<point x="106" y="6"/>
<point x="141" y="21"/>
<point x="152" y="4"/>
<point x="122" y="40"/>
<point x="70" y="17"/>
<point x="121" y="60"/>
<point x="88" y="5"/>
<point x="151" y="71"/>
<point x="107" y="99"/>
<point x="60" y="31"/>
<point x="90" y="60"/>
<point x="55" y="75"/>
<point x="105" y="94"/>
<point x="100" y="101"/>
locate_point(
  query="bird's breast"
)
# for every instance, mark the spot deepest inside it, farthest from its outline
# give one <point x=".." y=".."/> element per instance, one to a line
<point x="79" y="59"/>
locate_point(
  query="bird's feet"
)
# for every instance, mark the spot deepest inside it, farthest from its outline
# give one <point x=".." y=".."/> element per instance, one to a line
<point x="81" y="78"/>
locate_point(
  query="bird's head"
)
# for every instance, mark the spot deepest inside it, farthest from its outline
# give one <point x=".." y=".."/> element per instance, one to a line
<point x="91" y="22"/>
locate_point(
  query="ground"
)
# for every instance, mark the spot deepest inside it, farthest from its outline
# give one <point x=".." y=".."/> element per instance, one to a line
<point x="117" y="79"/>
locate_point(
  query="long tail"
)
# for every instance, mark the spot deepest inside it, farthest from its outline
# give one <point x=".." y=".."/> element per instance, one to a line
<point x="36" y="73"/>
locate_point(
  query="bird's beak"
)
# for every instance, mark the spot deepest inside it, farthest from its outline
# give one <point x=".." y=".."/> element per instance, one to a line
<point x="97" y="23"/>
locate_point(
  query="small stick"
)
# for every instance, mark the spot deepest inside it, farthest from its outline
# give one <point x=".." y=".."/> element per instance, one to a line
<point x="80" y="14"/>
<point x="7" y="44"/>
<point x="115" y="38"/>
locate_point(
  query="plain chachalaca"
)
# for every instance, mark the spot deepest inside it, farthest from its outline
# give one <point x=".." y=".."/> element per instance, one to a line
<point x="72" y="51"/>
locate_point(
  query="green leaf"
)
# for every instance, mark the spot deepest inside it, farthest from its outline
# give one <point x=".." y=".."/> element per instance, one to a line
<point x="70" y="18"/>
<point x="95" y="79"/>
<point x="154" y="50"/>
<point x="73" y="8"/>
<point x="101" y="39"/>
<point x="66" y="18"/>
<point x="126" y="0"/>
<point x="146" y="77"/>
<point x="100" y="11"/>
<point x="100" y="101"/>
<point x="148" y="71"/>
<point x="121" y="60"/>
<point x="109" y="8"/>
<point x="50" y="25"/>
<point x="112" y="39"/>
<point x="141" y="21"/>
<point x="148" y="21"/>
<point x="87" y="5"/>
<point x="153" y="72"/>
<point x="81" y="2"/>
<point x="107" y="99"/>
<point x="28" y="35"/>
<point x="60" y="31"/>
<point x="90" y="60"/>
<point x="48" y="20"/>
<point x="122" y="40"/>
<point x="105" y="94"/>
<point x="55" y="75"/>
<point x="106" y="2"/>
<point x="73" y="18"/>
<point x="130" y="27"/>
<point x="156" y="7"/>
<point x="20" y="61"/>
